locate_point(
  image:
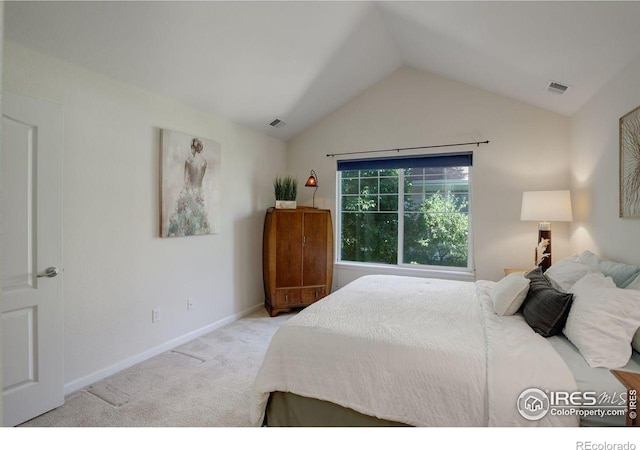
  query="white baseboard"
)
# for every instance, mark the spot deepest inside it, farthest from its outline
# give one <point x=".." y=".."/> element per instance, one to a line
<point x="129" y="362"/>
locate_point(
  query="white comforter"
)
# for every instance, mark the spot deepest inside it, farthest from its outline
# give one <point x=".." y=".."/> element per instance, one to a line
<point x="424" y="352"/>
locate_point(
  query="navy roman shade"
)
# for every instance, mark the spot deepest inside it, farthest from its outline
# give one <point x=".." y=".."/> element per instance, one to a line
<point x="404" y="162"/>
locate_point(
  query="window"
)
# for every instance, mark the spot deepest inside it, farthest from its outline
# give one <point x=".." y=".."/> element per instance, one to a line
<point x="405" y="210"/>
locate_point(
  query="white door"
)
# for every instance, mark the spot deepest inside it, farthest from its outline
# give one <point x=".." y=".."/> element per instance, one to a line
<point x="31" y="267"/>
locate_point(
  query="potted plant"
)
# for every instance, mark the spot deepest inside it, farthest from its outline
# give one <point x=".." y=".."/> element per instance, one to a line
<point x="286" y="190"/>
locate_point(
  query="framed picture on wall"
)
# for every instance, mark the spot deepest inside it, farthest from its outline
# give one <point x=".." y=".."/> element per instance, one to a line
<point x="190" y="177"/>
<point x="630" y="164"/>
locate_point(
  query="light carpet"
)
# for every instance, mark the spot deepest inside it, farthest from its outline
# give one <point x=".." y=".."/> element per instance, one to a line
<point x="203" y="383"/>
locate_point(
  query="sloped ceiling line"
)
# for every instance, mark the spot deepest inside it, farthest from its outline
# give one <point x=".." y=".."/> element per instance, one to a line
<point x="251" y="62"/>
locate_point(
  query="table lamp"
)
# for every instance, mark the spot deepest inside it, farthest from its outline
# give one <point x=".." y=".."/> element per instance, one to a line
<point x="545" y="207"/>
<point x="312" y="181"/>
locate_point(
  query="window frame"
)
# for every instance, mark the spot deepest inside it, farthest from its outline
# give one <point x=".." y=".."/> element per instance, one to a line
<point x="400" y="267"/>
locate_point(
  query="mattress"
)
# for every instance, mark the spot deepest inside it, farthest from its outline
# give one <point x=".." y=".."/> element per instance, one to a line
<point x="422" y="352"/>
<point x="610" y="392"/>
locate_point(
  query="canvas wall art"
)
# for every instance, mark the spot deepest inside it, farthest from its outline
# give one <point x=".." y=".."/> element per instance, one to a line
<point x="630" y="164"/>
<point x="190" y="177"/>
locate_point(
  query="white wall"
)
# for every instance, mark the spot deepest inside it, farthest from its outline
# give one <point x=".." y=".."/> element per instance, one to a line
<point x="595" y="171"/>
<point x="528" y="150"/>
<point x="116" y="267"/>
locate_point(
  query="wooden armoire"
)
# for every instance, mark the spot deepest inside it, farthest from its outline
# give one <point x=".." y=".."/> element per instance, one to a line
<point x="297" y="257"/>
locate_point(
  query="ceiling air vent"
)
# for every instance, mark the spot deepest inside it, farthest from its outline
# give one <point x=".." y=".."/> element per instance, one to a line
<point x="277" y="123"/>
<point x="557" y="88"/>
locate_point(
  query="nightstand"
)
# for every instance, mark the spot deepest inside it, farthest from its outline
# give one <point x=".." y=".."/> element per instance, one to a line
<point x="631" y="381"/>
<point x="510" y="271"/>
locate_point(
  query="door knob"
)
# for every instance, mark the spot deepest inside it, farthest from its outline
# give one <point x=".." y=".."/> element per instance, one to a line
<point x="49" y="273"/>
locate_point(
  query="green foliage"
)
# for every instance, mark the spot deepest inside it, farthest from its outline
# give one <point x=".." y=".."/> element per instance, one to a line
<point x="285" y="188"/>
<point x="438" y="234"/>
<point x="435" y="228"/>
<point x="369" y="235"/>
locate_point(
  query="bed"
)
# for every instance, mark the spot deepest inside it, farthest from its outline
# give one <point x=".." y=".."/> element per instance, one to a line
<point x="393" y="351"/>
<point x="598" y="380"/>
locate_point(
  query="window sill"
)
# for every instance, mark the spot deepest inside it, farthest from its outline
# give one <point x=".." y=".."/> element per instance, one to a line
<point x="424" y="272"/>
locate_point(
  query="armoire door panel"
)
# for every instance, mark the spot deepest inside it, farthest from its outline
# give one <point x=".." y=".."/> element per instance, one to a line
<point x="289" y="250"/>
<point x="314" y="261"/>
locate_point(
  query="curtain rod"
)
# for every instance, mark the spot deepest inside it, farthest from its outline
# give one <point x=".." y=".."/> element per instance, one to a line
<point x="408" y="148"/>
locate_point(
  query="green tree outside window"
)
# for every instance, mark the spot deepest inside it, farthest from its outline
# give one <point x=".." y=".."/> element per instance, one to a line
<point x="434" y="212"/>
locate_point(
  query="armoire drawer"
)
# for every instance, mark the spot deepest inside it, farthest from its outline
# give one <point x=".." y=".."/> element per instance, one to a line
<point x="288" y="297"/>
<point x="313" y="294"/>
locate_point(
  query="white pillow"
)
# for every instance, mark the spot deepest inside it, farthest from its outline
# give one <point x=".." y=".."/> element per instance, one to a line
<point x="575" y="258"/>
<point x="509" y="293"/>
<point x="566" y="272"/>
<point x="621" y="273"/>
<point x="635" y="284"/>
<point x="602" y="321"/>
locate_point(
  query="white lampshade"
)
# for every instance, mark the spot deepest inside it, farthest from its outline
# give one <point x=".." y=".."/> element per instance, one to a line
<point x="546" y="206"/>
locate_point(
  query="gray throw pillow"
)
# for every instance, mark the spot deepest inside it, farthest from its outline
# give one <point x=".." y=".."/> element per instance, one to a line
<point x="545" y="308"/>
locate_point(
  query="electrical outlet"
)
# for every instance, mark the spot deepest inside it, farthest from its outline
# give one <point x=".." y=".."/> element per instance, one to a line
<point x="190" y="304"/>
<point x="155" y="315"/>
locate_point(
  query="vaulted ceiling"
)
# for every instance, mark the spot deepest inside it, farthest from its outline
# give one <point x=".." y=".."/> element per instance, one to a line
<point x="252" y="62"/>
